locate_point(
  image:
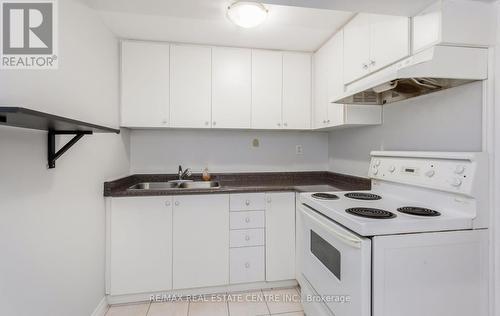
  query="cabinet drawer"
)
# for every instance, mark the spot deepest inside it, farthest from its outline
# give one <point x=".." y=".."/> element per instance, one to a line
<point x="247" y="264"/>
<point x="244" y="220"/>
<point x="247" y="202"/>
<point x="247" y="237"/>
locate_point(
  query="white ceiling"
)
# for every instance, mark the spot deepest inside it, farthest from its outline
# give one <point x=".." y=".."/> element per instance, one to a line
<point x="302" y="25"/>
<point x="205" y="22"/>
<point x="395" y="7"/>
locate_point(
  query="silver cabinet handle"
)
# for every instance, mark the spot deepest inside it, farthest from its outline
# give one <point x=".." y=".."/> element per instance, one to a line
<point x="352" y="241"/>
<point x="247" y="220"/>
<point x="206" y="123"/>
<point x="177" y="203"/>
<point x="164" y="122"/>
<point x="167" y="203"/>
<point x="247" y="238"/>
<point x="247" y="202"/>
<point x="214" y="123"/>
<point x="286" y="124"/>
<point x="365" y="66"/>
<point x="247" y="265"/>
<point x="372" y="62"/>
<point x="279" y="124"/>
<point x="269" y="200"/>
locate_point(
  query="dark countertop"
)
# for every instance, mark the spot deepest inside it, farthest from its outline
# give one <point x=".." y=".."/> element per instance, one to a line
<point x="310" y="181"/>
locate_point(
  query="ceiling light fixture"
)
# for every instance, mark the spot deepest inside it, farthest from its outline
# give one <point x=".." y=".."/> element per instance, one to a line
<point x="247" y="14"/>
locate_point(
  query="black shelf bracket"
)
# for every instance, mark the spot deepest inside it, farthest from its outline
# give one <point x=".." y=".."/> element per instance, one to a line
<point x="52" y="155"/>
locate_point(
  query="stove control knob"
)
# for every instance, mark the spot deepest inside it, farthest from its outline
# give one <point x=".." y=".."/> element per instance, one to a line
<point x="376" y="162"/>
<point x="456" y="182"/>
<point x="459" y="169"/>
<point x="392" y="169"/>
<point x="430" y="173"/>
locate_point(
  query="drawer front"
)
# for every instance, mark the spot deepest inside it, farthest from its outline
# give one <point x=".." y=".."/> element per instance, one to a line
<point x="245" y="220"/>
<point x="247" y="264"/>
<point x="247" y="237"/>
<point x="247" y="202"/>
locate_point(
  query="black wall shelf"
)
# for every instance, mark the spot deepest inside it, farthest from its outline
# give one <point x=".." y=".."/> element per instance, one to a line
<point x="54" y="125"/>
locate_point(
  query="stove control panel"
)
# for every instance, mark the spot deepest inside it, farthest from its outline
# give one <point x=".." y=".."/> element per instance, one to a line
<point x="450" y="172"/>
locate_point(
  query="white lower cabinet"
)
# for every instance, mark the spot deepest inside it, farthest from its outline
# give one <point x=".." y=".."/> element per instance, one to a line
<point x="247" y="237"/>
<point x="139" y="250"/>
<point x="250" y="219"/>
<point x="201" y="241"/>
<point x="280" y="236"/>
<point x="198" y="241"/>
<point x="247" y="264"/>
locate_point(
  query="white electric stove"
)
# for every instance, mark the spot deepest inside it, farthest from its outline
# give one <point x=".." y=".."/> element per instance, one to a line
<point x="416" y="244"/>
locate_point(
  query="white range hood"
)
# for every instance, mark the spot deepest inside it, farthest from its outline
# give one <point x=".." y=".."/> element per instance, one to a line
<point x="434" y="69"/>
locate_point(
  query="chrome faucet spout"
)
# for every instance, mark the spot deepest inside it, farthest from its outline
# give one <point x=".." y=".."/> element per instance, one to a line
<point x="184" y="174"/>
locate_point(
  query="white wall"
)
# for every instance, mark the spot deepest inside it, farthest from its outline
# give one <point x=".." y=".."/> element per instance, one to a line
<point x="52" y="221"/>
<point x="226" y="151"/>
<point x="449" y="120"/>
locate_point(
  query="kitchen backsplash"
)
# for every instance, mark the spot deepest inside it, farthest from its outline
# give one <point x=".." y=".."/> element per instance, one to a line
<point x="162" y="151"/>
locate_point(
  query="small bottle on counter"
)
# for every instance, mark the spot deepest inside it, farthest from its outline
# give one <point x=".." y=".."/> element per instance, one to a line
<point x="206" y="175"/>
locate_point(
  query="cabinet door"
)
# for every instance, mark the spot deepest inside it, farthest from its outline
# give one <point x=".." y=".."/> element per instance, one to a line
<point x="320" y="85"/>
<point x="191" y="86"/>
<point x="140" y="245"/>
<point x="328" y="83"/>
<point x="297" y="82"/>
<point x="201" y="241"/>
<point x="336" y="67"/>
<point x="280" y="236"/>
<point x="357" y="48"/>
<point x="389" y="40"/>
<point x="145" y="84"/>
<point x="267" y="84"/>
<point x="231" y="87"/>
<point x="335" y="80"/>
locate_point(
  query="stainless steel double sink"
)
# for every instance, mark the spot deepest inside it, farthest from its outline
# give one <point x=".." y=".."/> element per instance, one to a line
<point x="176" y="185"/>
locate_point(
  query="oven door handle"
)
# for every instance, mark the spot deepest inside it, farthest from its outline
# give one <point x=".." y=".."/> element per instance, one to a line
<point x="350" y="240"/>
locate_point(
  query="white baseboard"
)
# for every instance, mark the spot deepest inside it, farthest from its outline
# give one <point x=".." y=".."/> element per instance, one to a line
<point x="102" y="308"/>
<point x="146" y="297"/>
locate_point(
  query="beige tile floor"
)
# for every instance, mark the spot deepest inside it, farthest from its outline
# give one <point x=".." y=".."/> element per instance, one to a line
<point x="283" y="302"/>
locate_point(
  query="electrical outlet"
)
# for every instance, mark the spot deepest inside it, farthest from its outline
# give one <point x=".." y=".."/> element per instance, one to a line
<point x="256" y="143"/>
<point x="299" y="150"/>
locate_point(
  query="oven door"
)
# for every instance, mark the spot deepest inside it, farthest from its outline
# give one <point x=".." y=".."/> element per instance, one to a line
<point x="337" y="264"/>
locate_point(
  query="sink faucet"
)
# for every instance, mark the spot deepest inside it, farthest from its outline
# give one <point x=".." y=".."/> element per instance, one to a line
<point x="184" y="174"/>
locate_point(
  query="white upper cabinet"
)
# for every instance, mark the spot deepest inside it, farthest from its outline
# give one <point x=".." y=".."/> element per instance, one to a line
<point x="373" y="41"/>
<point x="145" y="84"/>
<point x="389" y="40"/>
<point x="335" y="66"/>
<point x="457" y="22"/>
<point x="356" y="48"/>
<point x="297" y="79"/>
<point x="190" y="86"/>
<point x="231" y="87"/>
<point x="328" y="83"/>
<point x="320" y="100"/>
<point x="267" y="85"/>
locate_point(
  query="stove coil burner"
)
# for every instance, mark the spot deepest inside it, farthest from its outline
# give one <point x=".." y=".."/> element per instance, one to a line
<point x="363" y="196"/>
<point x="419" y="211"/>
<point x="325" y="196"/>
<point x="370" y="212"/>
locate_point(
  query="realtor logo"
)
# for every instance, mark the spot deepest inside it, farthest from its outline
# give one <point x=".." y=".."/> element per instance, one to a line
<point x="29" y="34"/>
